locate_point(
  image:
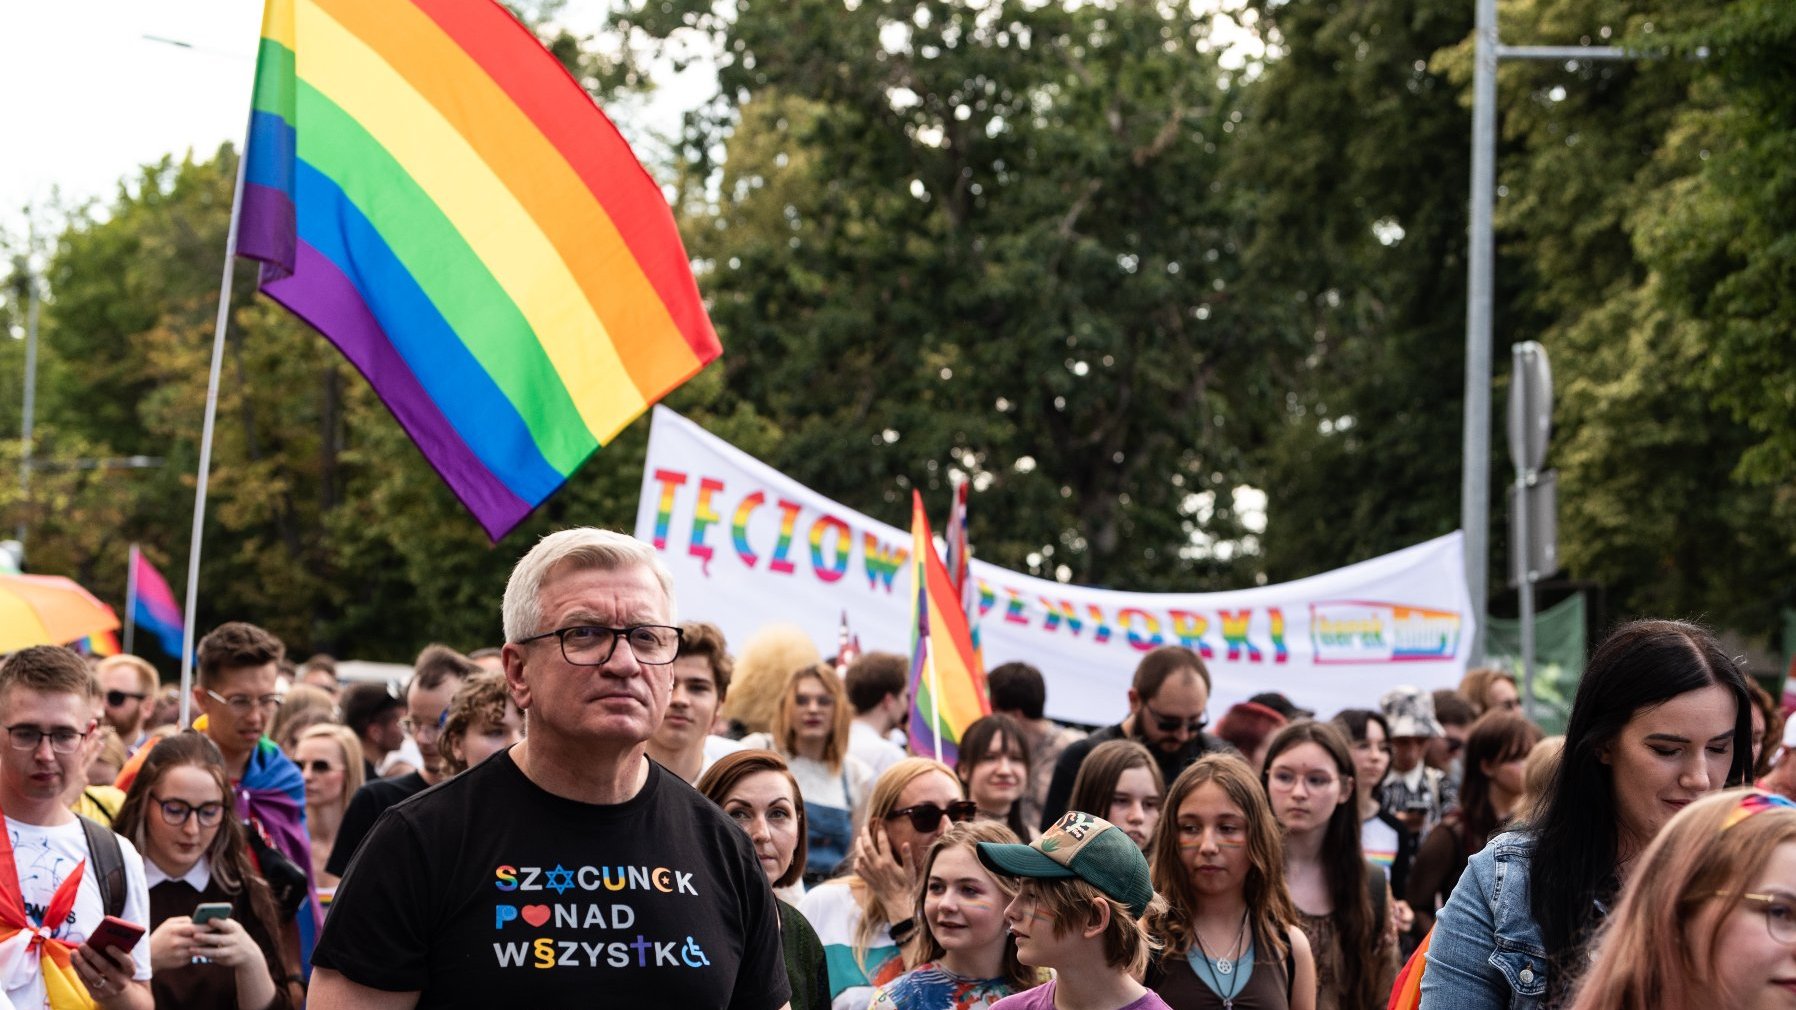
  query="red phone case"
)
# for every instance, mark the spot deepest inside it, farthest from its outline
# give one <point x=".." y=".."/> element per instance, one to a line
<point x="114" y="932"/>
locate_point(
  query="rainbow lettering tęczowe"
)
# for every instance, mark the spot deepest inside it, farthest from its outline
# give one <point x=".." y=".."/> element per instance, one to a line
<point x="429" y="189"/>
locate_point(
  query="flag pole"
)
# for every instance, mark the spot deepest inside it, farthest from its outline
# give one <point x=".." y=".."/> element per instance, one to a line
<point x="205" y="465"/>
<point x="935" y="696"/>
<point x="130" y="598"/>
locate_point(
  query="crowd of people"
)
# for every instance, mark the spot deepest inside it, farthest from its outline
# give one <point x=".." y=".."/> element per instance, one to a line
<point x="614" y="808"/>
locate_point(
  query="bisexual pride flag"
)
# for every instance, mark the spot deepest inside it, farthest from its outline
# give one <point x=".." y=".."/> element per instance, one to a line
<point x="430" y="190"/>
<point x="153" y="606"/>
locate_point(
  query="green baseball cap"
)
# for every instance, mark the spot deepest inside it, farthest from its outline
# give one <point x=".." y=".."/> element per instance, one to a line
<point x="1084" y="846"/>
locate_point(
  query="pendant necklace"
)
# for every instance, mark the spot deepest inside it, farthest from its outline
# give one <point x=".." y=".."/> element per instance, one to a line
<point x="1220" y="968"/>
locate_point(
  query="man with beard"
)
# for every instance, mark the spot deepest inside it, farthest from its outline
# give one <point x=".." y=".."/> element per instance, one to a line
<point x="1166" y="712"/>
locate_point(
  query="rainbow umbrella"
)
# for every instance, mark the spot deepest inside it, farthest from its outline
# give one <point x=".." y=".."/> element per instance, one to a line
<point x="48" y="610"/>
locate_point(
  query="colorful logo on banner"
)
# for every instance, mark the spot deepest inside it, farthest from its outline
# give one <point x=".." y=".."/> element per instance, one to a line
<point x="1356" y="631"/>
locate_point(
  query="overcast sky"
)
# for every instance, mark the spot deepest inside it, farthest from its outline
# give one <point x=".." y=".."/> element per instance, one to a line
<point x="88" y="98"/>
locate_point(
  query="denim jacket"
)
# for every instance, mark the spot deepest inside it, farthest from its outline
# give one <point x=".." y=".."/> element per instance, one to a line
<point x="1487" y="952"/>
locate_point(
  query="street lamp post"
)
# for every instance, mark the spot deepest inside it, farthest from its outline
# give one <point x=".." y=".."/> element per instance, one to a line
<point x="1480" y="285"/>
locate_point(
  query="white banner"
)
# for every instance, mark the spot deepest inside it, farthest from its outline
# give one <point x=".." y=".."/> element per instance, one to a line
<point x="749" y="546"/>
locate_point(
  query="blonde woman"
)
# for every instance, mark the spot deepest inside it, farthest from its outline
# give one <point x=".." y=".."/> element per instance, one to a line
<point x="810" y="731"/>
<point x="862" y="919"/>
<point x="330" y="758"/>
<point x="1709" y="918"/>
<point x="963" y="956"/>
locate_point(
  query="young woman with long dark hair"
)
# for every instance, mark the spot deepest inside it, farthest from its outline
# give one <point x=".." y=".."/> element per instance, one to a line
<point x="1120" y="782"/>
<point x="1342" y="901"/>
<point x="1661" y="718"/>
<point x="1496" y="753"/>
<point x="179" y="814"/>
<point x="993" y="766"/>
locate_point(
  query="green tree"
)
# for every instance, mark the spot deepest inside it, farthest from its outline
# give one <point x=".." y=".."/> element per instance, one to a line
<point x="989" y="239"/>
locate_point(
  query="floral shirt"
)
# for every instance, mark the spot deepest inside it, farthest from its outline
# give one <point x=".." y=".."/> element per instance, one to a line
<point x="929" y="986"/>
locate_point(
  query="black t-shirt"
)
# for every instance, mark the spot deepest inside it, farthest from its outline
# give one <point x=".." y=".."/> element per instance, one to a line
<point x="487" y="890"/>
<point x="365" y="807"/>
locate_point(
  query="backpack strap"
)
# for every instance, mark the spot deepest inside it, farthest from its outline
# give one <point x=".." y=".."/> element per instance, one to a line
<point x="108" y="861"/>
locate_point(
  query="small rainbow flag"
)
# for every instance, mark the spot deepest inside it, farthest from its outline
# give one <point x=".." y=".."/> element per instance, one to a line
<point x="430" y="189"/>
<point x="947" y="682"/>
<point x="153" y="606"/>
<point x="101" y="643"/>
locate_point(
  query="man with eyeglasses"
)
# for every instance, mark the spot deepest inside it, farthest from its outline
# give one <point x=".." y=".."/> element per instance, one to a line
<point x="58" y="898"/>
<point x="436" y="675"/>
<point x="569" y="870"/>
<point x="237" y="667"/>
<point x="1167" y="703"/>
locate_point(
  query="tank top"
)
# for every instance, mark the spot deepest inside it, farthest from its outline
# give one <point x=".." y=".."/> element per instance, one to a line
<point x="1266" y="988"/>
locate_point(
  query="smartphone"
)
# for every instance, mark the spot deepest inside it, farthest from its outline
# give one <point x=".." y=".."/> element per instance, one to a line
<point x="115" y="933"/>
<point x="211" y="910"/>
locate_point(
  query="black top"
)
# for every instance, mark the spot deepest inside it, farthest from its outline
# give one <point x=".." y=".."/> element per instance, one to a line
<point x="487" y="890"/>
<point x="365" y="807"/>
<point x="202" y="986"/>
<point x="1060" y="787"/>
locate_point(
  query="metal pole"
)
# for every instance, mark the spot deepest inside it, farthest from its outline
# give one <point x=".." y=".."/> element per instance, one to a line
<point x="27" y="424"/>
<point x="1522" y="536"/>
<point x="130" y="598"/>
<point x="205" y="465"/>
<point x="1475" y="487"/>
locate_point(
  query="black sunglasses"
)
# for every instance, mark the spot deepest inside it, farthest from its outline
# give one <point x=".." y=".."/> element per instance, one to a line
<point x="1174" y="723"/>
<point x="117" y="698"/>
<point x="317" y="766"/>
<point x="925" y="816"/>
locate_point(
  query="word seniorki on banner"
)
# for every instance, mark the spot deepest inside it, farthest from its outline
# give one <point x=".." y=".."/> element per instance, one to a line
<point x="749" y="546"/>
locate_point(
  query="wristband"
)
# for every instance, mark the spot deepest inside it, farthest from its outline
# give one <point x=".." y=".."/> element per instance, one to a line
<point x="902" y="931"/>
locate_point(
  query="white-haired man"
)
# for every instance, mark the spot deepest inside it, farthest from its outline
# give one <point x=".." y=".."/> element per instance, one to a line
<point x="569" y="870"/>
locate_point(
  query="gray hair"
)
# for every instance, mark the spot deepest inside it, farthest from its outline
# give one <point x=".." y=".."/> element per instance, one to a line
<point x="578" y="548"/>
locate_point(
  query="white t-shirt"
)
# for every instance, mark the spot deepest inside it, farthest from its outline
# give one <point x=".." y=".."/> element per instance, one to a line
<point x="864" y="742"/>
<point x="45" y="856"/>
<point x="715" y="748"/>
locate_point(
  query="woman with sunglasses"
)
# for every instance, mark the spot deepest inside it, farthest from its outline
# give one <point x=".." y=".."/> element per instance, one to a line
<point x="1661" y="718"/>
<point x="864" y="918"/>
<point x="178" y="812"/>
<point x="330" y="758"/>
<point x="810" y="730"/>
<point x="1710" y="918"/>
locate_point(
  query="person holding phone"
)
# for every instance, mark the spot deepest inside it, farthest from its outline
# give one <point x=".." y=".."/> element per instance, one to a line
<point x="69" y="875"/>
<point x="214" y="921"/>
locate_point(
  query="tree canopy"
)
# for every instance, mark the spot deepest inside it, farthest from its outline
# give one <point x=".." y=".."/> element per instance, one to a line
<point x="1181" y="292"/>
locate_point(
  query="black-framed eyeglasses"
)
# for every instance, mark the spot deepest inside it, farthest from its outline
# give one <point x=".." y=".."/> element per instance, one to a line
<point x="592" y="644"/>
<point x="117" y="698"/>
<point x="63" y="740"/>
<point x="1779" y="911"/>
<point x="925" y="816"/>
<point x="243" y="704"/>
<point x="1173" y="723"/>
<point x="176" y="812"/>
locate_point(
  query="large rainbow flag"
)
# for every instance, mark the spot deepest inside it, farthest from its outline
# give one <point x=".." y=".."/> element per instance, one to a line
<point x="947" y="682"/>
<point x="429" y="188"/>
